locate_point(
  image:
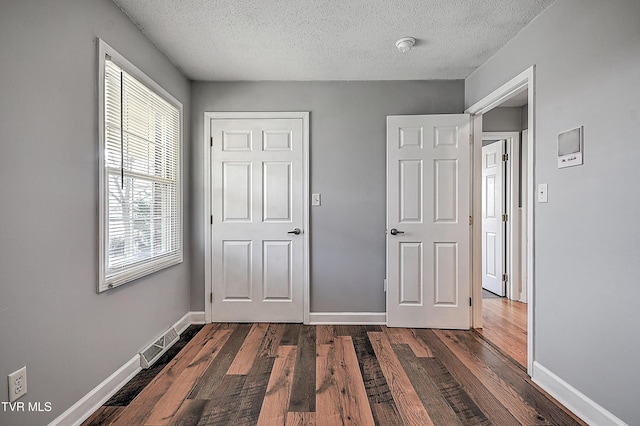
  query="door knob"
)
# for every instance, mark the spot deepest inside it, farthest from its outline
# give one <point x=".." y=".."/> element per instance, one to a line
<point x="296" y="231"/>
<point x="394" y="231"/>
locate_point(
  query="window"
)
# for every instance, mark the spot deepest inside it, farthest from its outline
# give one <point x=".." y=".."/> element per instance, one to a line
<point x="140" y="171"/>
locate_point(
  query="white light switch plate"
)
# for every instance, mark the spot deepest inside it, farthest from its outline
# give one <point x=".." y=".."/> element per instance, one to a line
<point x="542" y="193"/>
<point x="315" y="199"/>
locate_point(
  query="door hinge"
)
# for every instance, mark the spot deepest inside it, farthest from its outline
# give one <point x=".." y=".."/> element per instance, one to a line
<point x="470" y="302"/>
<point x="470" y="220"/>
<point x="210" y="297"/>
<point x="505" y="157"/>
<point x="505" y="277"/>
<point x="212" y="219"/>
<point x="211" y="141"/>
<point x="505" y="217"/>
<point x="470" y="139"/>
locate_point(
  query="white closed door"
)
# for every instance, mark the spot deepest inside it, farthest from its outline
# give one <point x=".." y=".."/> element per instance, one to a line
<point x="257" y="220"/>
<point x="492" y="224"/>
<point x="428" y="230"/>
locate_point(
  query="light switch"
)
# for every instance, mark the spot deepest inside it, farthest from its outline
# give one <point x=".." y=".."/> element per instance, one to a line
<point x="315" y="199"/>
<point x="542" y="193"/>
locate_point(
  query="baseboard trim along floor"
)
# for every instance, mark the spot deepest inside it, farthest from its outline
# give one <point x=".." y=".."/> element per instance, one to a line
<point x="87" y="405"/>
<point x="581" y="405"/>
<point x="348" y="318"/>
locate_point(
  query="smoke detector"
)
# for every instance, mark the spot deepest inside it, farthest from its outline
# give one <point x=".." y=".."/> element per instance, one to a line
<point x="405" y="44"/>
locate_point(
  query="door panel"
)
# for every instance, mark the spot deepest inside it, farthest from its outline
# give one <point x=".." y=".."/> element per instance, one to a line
<point x="446" y="273"/>
<point x="411" y="273"/>
<point x="492" y="224"/>
<point x="277" y="263"/>
<point x="257" y="200"/>
<point x="411" y="191"/>
<point x="236" y="270"/>
<point x="446" y="191"/>
<point x="236" y="191"/>
<point x="428" y="258"/>
<point x="276" y="178"/>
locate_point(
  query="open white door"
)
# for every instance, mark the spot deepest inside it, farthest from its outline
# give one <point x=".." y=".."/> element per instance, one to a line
<point x="428" y="229"/>
<point x="493" y="207"/>
<point x="258" y="219"/>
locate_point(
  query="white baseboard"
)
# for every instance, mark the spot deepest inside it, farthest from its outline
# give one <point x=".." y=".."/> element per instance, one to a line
<point x="183" y="323"/>
<point x="348" y="318"/>
<point x="88" y="404"/>
<point x="581" y="405"/>
<point x="197" y="317"/>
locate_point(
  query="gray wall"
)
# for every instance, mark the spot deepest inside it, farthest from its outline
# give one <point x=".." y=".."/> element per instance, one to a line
<point x="506" y="119"/>
<point x="51" y="318"/>
<point x="348" y="150"/>
<point x="587" y="58"/>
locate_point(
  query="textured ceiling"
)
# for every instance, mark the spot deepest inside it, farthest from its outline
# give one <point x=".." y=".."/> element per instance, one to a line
<point x="329" y="39"/>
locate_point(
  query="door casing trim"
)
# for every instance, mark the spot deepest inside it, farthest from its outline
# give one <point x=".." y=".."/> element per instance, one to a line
<point x="208" y="116"/>
<point x="523" y="81"/>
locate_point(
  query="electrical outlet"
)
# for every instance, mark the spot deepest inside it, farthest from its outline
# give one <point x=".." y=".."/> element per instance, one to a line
<point x="542" y="193"/>
<point x="17" y="384"/>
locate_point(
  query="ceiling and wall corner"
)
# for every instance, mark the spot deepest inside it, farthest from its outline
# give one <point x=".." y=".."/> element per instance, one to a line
<point x="320" y="40"/>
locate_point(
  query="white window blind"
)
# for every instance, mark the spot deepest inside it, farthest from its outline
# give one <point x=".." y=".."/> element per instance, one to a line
<point x="142" y="224"/>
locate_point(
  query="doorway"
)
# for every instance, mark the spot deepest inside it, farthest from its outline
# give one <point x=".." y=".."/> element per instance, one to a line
<point x="503" y="312"/>
<point x="510" y="310"/>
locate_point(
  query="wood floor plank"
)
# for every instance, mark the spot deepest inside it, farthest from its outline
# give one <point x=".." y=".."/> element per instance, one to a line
<point x="303" y="397"/>
<point x="408" y="336"/>
<point x="290" y="335"/>
<point x="137" y="412"/>
<point x="103" y="415"/>
<point x="222" y="406"/>
<point x="417" y="345"/>
<point x="244" y="358"/>
<point x="456" y="396"/>
<point x="325" y="334"/>
<point x="341" y="397"/>
<point x="276" y="400"/>
<point x="249" y="402"/>
<point x="212" y="377"/>
<point x="440" y="409"/>
<point x="301" y="419"/>
<point x="169" y="403"/>
<point x="382" y="405"/>
<point x="481" y="396"/>
<point x="407" y="400"/>
<point x="515" y="379"/>
<point x="394" y="335"/>
<point x="353" y="395"/>
<point x="327" y="408"/>
<point x="271" y="341"/>
<point x="499" y="388"/>
<point x="189" y="413"/>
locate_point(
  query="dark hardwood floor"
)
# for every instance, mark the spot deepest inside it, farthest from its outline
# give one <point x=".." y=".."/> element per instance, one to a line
<point x="291" y="374"/>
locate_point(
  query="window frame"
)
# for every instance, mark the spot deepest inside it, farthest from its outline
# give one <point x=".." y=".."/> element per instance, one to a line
<point x="138" y="269"/>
